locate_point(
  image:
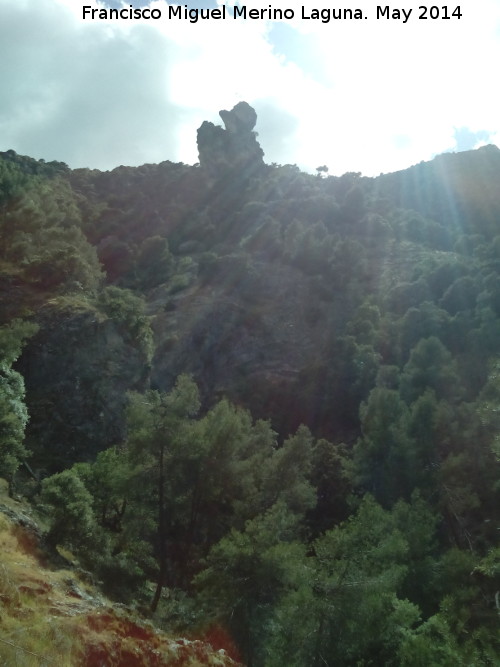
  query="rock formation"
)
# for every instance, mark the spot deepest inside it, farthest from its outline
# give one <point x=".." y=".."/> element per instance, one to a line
<point x="236" y="147"/>
<point x="242" y="118"/>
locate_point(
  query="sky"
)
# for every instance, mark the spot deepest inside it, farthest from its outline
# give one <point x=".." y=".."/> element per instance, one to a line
<point x="369" y="95"/>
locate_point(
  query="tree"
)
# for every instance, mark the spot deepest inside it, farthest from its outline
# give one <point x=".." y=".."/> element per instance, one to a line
<point x="120" y="551"/>
<point x="154" y="262"/>
<point x="354" y="206"/>
<point x="330" y="479"/>
<point x="430" y="366"/>
<point x="424" y="429"/>
<point x="287" y="474"/>
<point x="422" y="322"/>
<point x="108" y="481"/>
<point x="345" y="608"/>
<point x="155" y="423"/>
<point x="69" y="503"/>
<point x="13" y="410"/>
<point x="248" y="572"/>
<point x="384" y="458"/>
<point x="224" y="484"/>
<point x="251" y="567"/>
<point x="42" y="233"/>
<point x="128" y="311"/>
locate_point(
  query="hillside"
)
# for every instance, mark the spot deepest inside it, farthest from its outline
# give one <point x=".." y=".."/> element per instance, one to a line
<point x="52" y="613"/>
<point x="250" y="398"/>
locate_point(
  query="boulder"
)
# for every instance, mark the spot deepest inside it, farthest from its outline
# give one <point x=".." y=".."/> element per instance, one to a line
<point x="241" y="119"/>
<point x="221" y="151"/>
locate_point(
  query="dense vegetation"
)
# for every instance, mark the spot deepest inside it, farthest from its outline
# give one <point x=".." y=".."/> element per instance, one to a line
<point x="264" y="400"/>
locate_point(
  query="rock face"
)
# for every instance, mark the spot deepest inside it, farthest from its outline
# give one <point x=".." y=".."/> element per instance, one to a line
<point x="236" y="147"/>
<point x="242" y="118"/>
<point x="253" y="344"/>
<point x="77" y="371"/>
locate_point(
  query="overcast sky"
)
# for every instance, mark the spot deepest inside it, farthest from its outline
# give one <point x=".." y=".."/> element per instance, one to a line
<point x="362" y="95"/>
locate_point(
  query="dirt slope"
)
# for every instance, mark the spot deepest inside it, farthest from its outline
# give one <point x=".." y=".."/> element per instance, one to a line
<point x="50" y="615"/>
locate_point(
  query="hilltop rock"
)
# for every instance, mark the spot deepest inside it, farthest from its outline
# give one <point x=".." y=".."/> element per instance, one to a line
<point x="242" y="118"/>
<point x="236" y="147"/>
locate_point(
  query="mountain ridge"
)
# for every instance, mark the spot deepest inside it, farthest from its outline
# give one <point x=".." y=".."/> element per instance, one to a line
<point x="238" y="391"/>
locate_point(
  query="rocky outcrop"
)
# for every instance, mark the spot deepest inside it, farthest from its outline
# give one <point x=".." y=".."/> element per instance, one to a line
<point x="242" y="118"/>
<point x="77" y="370"/>
<point x="236" y="147"/>
<point x="251" y="343"/>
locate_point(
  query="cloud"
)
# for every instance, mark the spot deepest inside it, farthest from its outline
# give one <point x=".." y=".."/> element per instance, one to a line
<point x="467" y="140"/>
<point x="83" y="94"/>
<point x="366" y="96"/>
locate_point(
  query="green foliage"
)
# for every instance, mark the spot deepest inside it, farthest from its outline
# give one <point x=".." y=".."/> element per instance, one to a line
<point x="69" y="503"/>
<point x="353" y="206"/>
<point x="18" y="172"/>
<point x="154" y="262"/>
<point x="13" y="410"/>
<point x="487" y="403"/>
<point x="333" y="302"/>
<point x="465" y="629"/>
<point x="430" y="366"/>
<point x="59" y="258"/>
<point x="346" y="610"/>
<point x="330" y="478"/>
<point x="41" y="232"/>
<point x="287" y="479"/>
<point x="13" y="337"/>
<point x="385" y="457"/>
<point x="246" y="574"/>
<point x="423" y="322"/>
<point x="127" y="310"/>
<point x="13" y="420"/>
<point x="158" y="430"/>
<point x="12" y="180"/>
<point x="214" y="473"/>
<point x="423" y="428"/>
<point x="431" y="644"/>
<point x="418" y="521"/>
<point x="107" y="480"/>
<point x="460" y="296"/>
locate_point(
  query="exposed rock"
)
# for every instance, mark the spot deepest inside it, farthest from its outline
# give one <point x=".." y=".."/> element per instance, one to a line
<point x="77" y="371"/>
<point x="241" y="118"/>
<point x="236" y="147"/>
<point x="212" y="147"/>
<point x="252" y="344"/>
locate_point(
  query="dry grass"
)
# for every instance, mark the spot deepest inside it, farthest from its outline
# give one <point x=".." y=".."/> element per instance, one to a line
<point x="49" y="616"/>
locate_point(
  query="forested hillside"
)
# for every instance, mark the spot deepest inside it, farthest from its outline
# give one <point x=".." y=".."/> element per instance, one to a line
<point x="258" y="400"/>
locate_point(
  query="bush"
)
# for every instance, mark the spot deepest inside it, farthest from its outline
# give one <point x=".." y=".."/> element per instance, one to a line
<point x="69" y="504"/>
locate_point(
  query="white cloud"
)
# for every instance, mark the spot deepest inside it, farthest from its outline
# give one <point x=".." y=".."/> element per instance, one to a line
<point x="366" y="96"/>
